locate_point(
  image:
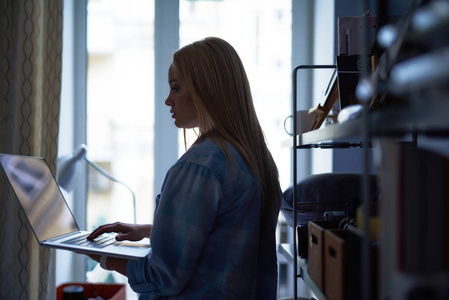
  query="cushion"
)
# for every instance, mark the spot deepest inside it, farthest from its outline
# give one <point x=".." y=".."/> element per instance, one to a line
<point x="327" y="191"/>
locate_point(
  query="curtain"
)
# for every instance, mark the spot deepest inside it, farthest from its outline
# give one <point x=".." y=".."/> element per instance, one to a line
<point x="30" y="85"/>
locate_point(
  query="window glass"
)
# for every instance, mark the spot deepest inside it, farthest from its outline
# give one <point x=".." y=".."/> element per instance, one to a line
<point x="260" y="31"/>
<point x="120" y="109"/>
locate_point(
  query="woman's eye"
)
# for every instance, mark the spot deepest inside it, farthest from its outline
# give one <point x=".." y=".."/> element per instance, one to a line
<point x="175" y="88"/>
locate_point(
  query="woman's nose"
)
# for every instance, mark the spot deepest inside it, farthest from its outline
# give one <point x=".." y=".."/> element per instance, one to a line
<point x="168" y="101"/>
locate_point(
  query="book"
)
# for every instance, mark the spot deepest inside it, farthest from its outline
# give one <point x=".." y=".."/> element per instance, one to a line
<point x="351" y="31"/>
<point x="414" y="209"/>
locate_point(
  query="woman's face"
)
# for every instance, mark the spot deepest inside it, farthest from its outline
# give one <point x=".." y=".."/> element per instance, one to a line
<point x="180" y="101"/>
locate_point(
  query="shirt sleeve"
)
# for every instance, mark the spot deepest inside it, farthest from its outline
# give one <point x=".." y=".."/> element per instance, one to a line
<point x="188" y="206"/>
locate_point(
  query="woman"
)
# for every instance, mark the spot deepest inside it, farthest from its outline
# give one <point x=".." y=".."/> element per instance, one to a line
<point x="213" y="235"/>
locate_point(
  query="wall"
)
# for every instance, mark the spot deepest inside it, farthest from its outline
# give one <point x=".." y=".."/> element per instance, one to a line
<point x="324" y="28"/>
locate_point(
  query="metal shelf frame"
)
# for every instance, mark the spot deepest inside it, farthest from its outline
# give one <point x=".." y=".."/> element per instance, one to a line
<point x="295" y="176"/>
<point x="359" y="128"/>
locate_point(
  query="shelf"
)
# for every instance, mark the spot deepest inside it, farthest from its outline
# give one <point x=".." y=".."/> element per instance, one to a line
<point x="422" y="116"/>
<point x="284" y="250"/>
<point x="429" y="117"/>
<point x="348" y="130"/>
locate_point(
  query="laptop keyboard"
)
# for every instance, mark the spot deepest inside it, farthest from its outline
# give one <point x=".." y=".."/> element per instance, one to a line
<point x="99" y="242"/>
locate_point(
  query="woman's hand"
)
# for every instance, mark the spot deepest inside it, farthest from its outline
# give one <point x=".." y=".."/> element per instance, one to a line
<point x="130" y="232"/>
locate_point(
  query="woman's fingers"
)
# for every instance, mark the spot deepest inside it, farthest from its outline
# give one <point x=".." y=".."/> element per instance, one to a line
<point x="107" y="228"/>
<point x="131" y="232"/>
<point x="134" y="232"/>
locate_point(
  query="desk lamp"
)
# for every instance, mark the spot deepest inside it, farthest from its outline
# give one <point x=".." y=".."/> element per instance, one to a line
<point x="69" y="168"/>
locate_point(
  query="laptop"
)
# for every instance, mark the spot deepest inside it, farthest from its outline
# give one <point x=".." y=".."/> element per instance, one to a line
<point x="49" y="215"/>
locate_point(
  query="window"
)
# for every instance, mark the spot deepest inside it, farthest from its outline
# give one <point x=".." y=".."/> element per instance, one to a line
<point x="120" y="109"/>
<point x="120" y="114"/>
<point x="260" y="31"/>
<point x="120" y="106"/>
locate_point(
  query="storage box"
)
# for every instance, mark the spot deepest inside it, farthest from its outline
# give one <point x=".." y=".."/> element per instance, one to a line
<point x="334" y="263"/>
<point x="342" y="265"/>
<point x="315" y="267"/>
<point x="92" y="290"/>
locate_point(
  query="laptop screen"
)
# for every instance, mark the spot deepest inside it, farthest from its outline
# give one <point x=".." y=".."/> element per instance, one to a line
<point x="39" y="195"/>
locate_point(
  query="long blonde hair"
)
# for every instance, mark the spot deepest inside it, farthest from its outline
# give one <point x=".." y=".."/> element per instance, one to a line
<point x="221" y="92"/>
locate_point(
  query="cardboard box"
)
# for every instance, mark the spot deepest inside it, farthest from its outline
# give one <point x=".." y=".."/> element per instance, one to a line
<point x="92" y="290"/>
<point x="342" y="265"/>
<point x="315" y="267"/>
<point x="334" y="263"/>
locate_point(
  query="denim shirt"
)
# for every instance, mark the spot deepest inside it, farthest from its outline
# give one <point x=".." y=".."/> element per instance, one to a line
<point x="206" y="238"/>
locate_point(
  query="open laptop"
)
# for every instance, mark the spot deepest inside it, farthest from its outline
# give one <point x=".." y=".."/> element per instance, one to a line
<point x="49" y="215"/>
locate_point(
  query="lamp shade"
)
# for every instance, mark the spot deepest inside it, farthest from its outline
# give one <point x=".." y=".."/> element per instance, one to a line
<point x="69" y="168"/>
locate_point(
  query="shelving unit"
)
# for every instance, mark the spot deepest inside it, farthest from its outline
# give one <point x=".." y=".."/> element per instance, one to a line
<point x="328" y="137"/>
<point x="423" y="114"/>
<point x="425" y="118"/>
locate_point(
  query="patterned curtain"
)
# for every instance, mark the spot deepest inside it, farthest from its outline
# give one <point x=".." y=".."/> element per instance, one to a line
<point x="30" y="85"/>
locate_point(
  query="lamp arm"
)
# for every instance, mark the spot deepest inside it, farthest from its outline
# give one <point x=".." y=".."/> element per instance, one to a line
<point x="104" y="173"/>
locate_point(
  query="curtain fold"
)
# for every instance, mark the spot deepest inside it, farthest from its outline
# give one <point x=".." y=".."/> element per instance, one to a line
<point x="30" y="88"/>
